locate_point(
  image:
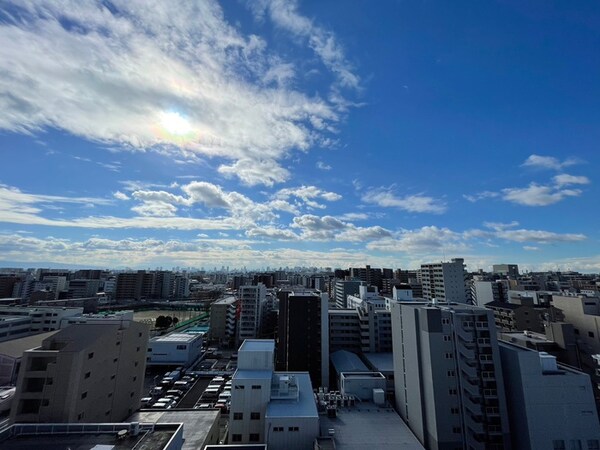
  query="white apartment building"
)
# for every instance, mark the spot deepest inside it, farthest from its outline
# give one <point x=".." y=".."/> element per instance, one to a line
<point x="251" y="299"/>
<point x="20" y="321"/>
<point x="445" y="281"/>
<point x="273" y="408"/>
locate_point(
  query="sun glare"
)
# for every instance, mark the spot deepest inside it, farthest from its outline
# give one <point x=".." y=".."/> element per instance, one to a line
<point x="175" y="123"/>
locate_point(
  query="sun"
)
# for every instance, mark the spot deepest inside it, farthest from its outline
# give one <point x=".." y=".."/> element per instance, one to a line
<point x="176" y="124"/>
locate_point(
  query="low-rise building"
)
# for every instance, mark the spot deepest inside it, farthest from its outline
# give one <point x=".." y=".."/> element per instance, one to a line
<point x="268" y="407"/>
<point x="174" y="349"/>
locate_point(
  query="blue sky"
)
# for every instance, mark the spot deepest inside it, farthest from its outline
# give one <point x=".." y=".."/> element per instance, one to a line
<point x="282" y="133"/>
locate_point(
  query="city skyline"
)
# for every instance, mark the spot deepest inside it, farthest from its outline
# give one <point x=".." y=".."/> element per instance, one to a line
<point x="276" y="133"/>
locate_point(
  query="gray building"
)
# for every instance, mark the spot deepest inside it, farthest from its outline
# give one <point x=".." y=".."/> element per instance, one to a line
<point x="445" y="281"/>
<point x="507" y="270"/>
<point x="344" y="288"/>
<point x="550" y="406"/>
<point x="223" y="319"/>
<point x="83" y="373"/>
<point x="448" y="380"/>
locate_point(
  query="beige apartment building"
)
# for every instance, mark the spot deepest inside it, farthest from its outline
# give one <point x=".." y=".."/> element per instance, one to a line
<point x="83" y="373"/>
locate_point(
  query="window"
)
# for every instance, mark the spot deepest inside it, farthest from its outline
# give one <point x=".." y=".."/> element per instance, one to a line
<point x="454" y="410"/>
<point x="254" y="437"/>
<point x="87" y="375"/>
<point x="591" y="334"/>
<point x="239" y="386"/>
<point x="79" y="416"/>
<point x="118" y="343"/>
<point x="137" y="349"/>
<point x="593" y="444"/>
<point x="236" y="438"/>
<point x="558" y="444"/>
<point x="576" y="331"/>
<point x="90" y="355"/>
<point x="575" y="444"/>
<point x="109" y="394"/>
<point x="112" y="377"/>
<point x="447" y="338"/>
<point x="84" y="395"/>
<point x="451" y="373"/>
<point x="256" y="386"/>
<point x="456" y="430"/>
<point x="182" y="347"/>
<point x="293" y="429"/>
<point x="139" y="334"/>
<point x="448" y="355"/>
<point x="452" y="391"/>
<point x="134" y="378"/>
<point x="279" y="429"/>
<point x="238" y="416"/>
<point x="254" y="416"/>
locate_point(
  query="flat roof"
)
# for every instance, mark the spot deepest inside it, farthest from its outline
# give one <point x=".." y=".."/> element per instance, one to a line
<point x="383" y="362"/>
<point x="305" y="406"/>
<point x="225" y="300"/>
<point x="369" y="426"/>
<point x="345" y="361"/>
<point x="15" y="347"/>
<point x="257" y="345"/>
<point x="247" y="374"/>
<point x="197" y="423"/>
<point x="176" y="337"/>
<point x="153" y="440"/>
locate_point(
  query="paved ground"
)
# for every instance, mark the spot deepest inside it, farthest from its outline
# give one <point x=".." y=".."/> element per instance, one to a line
<point x="192" y="396"/>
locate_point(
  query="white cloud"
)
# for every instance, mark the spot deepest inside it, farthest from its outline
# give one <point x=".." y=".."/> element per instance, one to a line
<point x="480" y="196"/>
<point x="422" y="241"/>
<point x="308" y="194"/>
<point x="548" y="162"/>
<point x="564" y="179"/>
<point x="272" y="233"/>
<point x="538" y="236"/>
<point x="538" y="195"/>
<point x="324" y="228"/>
<point x="530" y="248"/>
<point x="119" y="74"/>
<point x="120" y="195"/>
<point x="322" y="166"/>
<point x="411" y="203"/>
<point x="285" y="15"/>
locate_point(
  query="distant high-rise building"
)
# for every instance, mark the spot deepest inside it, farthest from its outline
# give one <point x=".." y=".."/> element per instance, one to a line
<point x="134" y="285"/>
<point x="507" y="270"/>
<point x="369" y="275"/>
<point x="445" y="281"/>
<point x="448" y="380"/>
<point x="303" y="335"/>
<point x="252" y="299"/>
<point x="344" y="288"/>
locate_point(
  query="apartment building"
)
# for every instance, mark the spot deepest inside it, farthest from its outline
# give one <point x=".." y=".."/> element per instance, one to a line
<point x="303" y="335"/>
<point x="448" y="380"/>
<point x="445" y="281"/>
<point x="252" y="300"/>
<point x="83" y="373"/>
<point x="223" y="319"/>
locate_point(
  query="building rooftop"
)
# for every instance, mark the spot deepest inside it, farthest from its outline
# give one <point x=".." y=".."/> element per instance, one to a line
<point x="86" y="437"/>
<point x="176" y="337"/>
<point x="369" y="426"/>
<point x="304" y="406"/>
<point x="225" y="300"/>
<point x="345" y="361"/>
<point x="78" y="337"/>
<point x="248" y="374"/>
<point x="257" y="345"/>
<point x="197" y="423"/>
<point x="383" y="362"/>
<point x="15" y="348"/>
